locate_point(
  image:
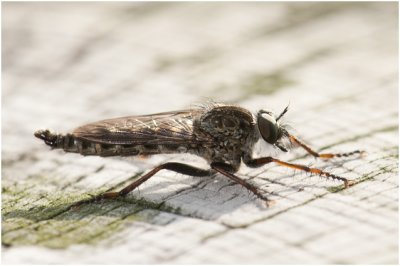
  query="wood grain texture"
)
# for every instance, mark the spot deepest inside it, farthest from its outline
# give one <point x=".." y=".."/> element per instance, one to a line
<point x="67" y="64"/>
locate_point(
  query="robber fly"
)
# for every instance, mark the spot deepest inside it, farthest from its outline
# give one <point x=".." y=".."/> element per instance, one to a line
<point x="224" y="135"/>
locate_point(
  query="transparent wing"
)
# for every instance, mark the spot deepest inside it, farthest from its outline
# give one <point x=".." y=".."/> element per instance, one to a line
<point x="163" y="128"/>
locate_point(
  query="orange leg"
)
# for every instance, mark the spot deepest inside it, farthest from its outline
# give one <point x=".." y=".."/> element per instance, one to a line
<point x="265" y="160"/>
<point x="324" y="155"/>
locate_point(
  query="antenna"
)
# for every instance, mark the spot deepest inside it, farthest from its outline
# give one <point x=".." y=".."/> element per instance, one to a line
<point x="284" y="112"/>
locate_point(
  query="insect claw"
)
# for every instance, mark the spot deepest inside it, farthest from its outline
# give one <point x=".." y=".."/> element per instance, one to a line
<point x="349" y="183"/>
<point x="109" y="195"/>
<point x="270" y="203"/>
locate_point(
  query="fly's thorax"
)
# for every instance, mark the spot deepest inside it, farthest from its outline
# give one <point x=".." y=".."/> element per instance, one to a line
<point x="232" y="129"/>
<point x="226" y="121"/>
<point x="251" y="140"/>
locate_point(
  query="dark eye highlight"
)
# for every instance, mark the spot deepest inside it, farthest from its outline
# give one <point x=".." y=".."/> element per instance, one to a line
<point x="268" y="127"/>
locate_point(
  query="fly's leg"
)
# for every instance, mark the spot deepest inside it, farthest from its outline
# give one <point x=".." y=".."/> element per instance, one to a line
<point x="265" y="160"/>
<point x="324" y="155"/>
<point x="176" y="167"/>
<point x="227" y="170"/>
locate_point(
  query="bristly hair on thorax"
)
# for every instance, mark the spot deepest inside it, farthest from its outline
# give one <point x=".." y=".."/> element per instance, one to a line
<point x="207" y="104"/>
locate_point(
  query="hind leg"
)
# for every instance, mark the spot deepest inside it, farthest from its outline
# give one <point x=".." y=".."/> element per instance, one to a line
<point x="176" y="167"/>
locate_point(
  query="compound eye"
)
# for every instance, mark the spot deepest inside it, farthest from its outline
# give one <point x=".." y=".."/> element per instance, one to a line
<point x="268" y="127"/>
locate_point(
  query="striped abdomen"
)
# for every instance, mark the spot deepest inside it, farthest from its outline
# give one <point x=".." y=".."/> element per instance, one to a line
<point x="70" y="143"/>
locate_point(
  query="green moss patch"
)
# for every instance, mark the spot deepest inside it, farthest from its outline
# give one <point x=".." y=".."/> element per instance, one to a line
<point x="51" y="222"/>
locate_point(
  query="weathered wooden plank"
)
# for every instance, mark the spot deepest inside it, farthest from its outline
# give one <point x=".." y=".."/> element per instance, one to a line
<point x="65" y="64"/>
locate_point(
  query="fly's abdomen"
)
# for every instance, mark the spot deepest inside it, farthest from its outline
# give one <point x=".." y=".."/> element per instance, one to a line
<point x="54" y="140"/>
<point x="71" y="143"/>
<point x="65" y="142"/>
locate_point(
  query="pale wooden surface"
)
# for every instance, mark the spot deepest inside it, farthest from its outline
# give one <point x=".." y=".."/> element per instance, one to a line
<point x="68" y="64"/>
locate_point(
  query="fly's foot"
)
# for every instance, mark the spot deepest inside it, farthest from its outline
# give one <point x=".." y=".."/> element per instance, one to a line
<point x="99" y="198"/>
<point x="349" y="183"/>
<point x="269" y="203"/>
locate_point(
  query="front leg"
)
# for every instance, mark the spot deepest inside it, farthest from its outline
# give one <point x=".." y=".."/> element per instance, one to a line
<point x="296" y="141"/>
<point x="265" y="160"/>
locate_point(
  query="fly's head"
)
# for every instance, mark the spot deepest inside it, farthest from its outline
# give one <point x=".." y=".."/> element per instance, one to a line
<point x="270" y="128"/>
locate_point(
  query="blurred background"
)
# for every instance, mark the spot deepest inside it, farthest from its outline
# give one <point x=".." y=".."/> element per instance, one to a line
<point x="65" y="64"/>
